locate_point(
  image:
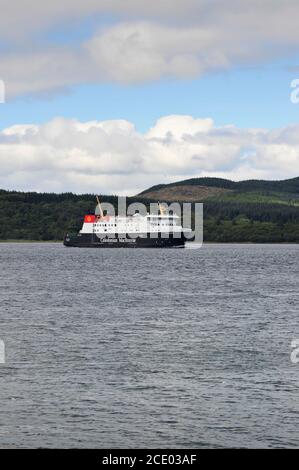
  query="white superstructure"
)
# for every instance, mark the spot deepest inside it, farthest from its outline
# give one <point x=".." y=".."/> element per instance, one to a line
<point x="135" y="224"/>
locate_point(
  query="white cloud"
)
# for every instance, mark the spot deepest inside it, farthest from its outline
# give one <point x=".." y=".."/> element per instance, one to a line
<point x="112" y="157"/>
<point x="146" y="41"/>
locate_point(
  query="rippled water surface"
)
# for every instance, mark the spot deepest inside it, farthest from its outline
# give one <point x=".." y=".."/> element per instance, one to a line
<point x="149" y="348"/>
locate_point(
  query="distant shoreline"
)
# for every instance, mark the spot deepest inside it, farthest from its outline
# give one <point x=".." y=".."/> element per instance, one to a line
<point x="31" y="241"/>
<point x="205" y="243"/>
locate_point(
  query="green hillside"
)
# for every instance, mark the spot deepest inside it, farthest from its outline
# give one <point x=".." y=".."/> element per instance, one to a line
<point x="262" y="197"/>
<point x="285" y="186"/>
<point x="247" y="211"/>
<point x="244" y="211"/>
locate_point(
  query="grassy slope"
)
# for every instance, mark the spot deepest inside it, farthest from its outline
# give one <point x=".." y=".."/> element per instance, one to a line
<point x="262" y="197"/>
<point x="246" y="211"/>
<point x="186" y="193"/>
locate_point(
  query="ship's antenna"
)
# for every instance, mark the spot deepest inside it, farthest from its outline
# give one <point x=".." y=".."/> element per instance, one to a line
<point x="100" y="207"/>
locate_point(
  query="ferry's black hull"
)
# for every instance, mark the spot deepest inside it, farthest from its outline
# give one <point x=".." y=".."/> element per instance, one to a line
<point x="124" y="241"/>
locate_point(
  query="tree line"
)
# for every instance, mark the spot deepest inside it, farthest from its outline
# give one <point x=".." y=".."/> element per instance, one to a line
<point x="37" y="216"/>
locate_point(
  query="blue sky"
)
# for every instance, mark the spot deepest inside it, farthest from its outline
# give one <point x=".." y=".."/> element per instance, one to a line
<point x="247" y="97"/>
<point x="157" y="72"/>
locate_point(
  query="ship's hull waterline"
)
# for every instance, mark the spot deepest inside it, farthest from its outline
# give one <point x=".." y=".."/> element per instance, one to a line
<point x="125" y="241"/>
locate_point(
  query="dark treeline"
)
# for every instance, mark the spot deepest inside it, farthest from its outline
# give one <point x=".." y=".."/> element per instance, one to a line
<point x="43" y="216"/>
<point x="36" y="216"/>
<point x="251" y="222"/>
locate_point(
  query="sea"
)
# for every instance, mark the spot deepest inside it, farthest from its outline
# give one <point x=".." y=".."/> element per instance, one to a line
<point x="149" y="348"/>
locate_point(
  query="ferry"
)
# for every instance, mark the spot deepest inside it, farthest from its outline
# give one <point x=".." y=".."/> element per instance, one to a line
<point x="99" y="230"/>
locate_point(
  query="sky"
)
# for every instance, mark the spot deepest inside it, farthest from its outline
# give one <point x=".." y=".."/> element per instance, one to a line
<point x="113" y="97"/>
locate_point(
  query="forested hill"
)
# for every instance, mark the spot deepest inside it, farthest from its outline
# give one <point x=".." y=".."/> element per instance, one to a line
<point x="247" y="211"/>
<point x="288" y="186"/>
<point x="42" y="216"/>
